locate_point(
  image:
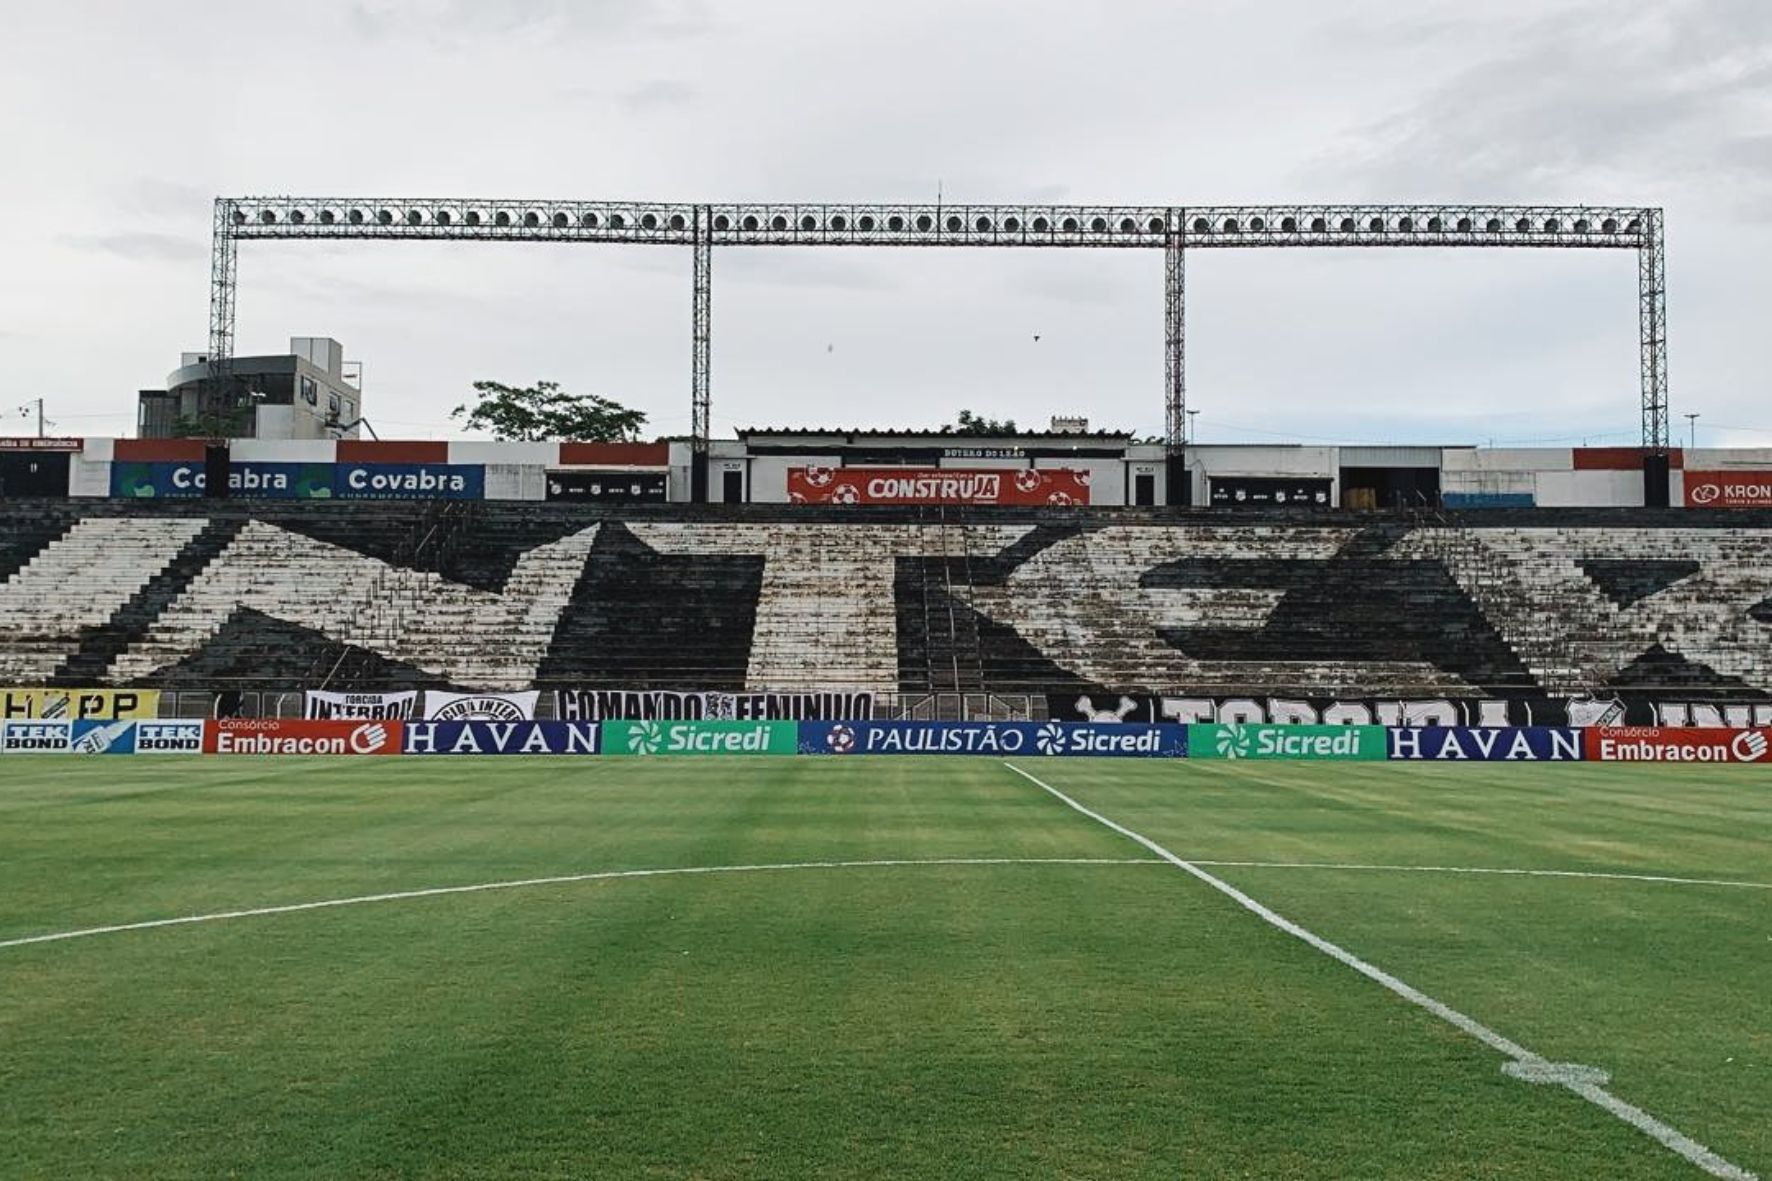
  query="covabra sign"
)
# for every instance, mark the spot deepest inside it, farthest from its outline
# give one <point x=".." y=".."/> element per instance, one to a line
<point x="993" y="738"/>
<point x="700" y="738"/>
<point x="306" y="481"/>
<point x="1678" y="744"/>
<point x="1345" y="743"/>
<point x="1521" y="744"/>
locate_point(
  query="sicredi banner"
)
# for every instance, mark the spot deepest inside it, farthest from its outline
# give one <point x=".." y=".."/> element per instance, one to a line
<point x="409" y="481"/>
<point x="1730" y="489"/>
<point x="37" y="738"/>
<point x="103" y="738"/>
<point x="78" y="704"/>
<point x="480" y="707"/>
<point x="700" y="738"/>
<point x="246" y="478"/>
<point x="930" y="485"/>
<point x="323" y="703"/>
<point x="1524" y="744"/>
<point x="1345" y="743"/>
<point x="500" y="738"/>
<point x="994" y="738"/>
<point x="1678" y="744"/>
<point x="300" y="736"/>
<point x="168" y="738"/>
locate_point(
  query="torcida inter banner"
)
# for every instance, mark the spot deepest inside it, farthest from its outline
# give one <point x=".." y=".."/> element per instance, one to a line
<point x="1736" y="489"/>
<point x="930" y="485"/>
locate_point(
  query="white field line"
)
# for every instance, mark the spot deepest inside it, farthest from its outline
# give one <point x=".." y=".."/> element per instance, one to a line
<point x="563" y="880"/>
<point x="1668" y="1136"/>
<point x="1467" y="869"/>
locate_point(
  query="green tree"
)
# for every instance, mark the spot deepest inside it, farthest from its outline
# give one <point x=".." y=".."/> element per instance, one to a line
<point x="544" y="411"/>
<point x="973" y="424"/>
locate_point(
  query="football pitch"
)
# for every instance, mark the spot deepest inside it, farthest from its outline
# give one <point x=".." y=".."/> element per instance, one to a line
<point x="909" y="968"/>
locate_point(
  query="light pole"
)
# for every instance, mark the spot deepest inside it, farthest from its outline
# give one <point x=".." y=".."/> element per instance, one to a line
<point x="1691" y="430"/>
<point x="1191" y="416"/>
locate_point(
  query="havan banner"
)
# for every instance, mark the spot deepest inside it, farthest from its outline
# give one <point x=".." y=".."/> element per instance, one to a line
<point x="930" y="485"/>
<point x="617" y="705"/>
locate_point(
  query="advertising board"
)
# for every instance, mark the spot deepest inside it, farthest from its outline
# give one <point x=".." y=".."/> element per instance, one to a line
<point x="994" y="738"/>
<point x="931" y="485"/>
<point x="500" y="738"/>
<point x="300" y="736"/>
<point x="1309" y="743"/>
<point x="1523" y="744"/>
<point x="700" y="738"/>
<point x="1677" y="744"/>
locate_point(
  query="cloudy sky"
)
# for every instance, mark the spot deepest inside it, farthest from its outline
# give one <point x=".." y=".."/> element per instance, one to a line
<point x="123" y="120"/>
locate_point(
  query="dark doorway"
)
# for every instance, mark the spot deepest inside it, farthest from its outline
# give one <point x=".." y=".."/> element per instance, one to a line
<point x="34" y="473"/>
<point x="732" y="487"/>
<point x="1144" y="489"/>
<point x="1390" y="487"/>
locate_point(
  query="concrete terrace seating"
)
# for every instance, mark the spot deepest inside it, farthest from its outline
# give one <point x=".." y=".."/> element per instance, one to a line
<point x="506" y="595"/>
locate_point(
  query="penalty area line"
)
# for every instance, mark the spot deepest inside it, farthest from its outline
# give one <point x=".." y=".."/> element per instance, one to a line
<point x="561" y="880"/>
<point x="1528" y="1064"/>
<point x="1595" y="875"/>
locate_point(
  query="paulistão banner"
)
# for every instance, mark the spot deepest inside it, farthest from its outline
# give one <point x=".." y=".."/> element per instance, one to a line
<point x="993" y="738"/>
<point x="1309" y="743"/>
<point x="700" y="738"/>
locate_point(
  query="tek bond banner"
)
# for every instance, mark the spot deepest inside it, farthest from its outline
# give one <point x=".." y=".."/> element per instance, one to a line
<point x="500" y="738"/>
<point x="1307" y="743"/>
<point x="700" y="738"/>
<point x="1678" y="744"/>
<point x="102" y="738"/>
<point x="993" y="738"/>
<point x="78" y="704"/>
<point x="1506" y="744"/>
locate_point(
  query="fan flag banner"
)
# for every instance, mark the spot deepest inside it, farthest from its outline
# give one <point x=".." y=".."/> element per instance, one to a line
<point x="930" y="485"/>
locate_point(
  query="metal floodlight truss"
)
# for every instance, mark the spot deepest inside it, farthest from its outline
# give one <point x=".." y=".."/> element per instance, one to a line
<point x="1172" y="229"/>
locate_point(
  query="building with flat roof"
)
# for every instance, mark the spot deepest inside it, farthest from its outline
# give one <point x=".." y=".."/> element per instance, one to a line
<point x="311" y="392"/>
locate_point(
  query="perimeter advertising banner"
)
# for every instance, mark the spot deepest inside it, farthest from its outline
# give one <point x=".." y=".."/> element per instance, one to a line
<point x="993" y="738"/>
<point x="932" y="485"/>
<point x="299" y="736"/>
<point x="78" y="704"/>
<point x="700" y="738"/>
<point x="1513" y="744"/>
<point x="500" y="738"/>
<point x="1678" y="744"/>
<point x="1736" y="489"/>
<point x="409" y="481"/>
<point x="37" y="738"/>
<point x="246" y="478"/>
<point x="1309" y="743"/>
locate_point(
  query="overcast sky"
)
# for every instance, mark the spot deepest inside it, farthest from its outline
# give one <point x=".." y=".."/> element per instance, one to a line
<point x="122" y="120"/>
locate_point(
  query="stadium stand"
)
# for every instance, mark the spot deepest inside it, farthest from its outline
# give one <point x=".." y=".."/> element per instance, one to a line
<point x="507" y="595"/>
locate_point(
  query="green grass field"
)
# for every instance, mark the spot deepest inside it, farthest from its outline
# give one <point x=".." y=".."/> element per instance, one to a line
<point x="1065" y="1004"/>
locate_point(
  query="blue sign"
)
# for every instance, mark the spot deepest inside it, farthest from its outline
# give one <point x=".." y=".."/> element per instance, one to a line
<point x="1488" y="499"/>
<point x="168" y="738"/>
<point x="1524" y="744"/>
<point x="36" y="738"/>
<point x="409" y="481"/>
<point x="500" y="738"/>
<point x="1116" y="740"/>
<point x="104" y="738"/>
<point x="272" y="481"/>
